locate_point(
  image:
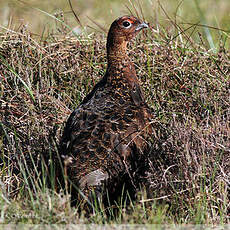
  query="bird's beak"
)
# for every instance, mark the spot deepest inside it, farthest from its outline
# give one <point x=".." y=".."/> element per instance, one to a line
<point x="141" y="26"/>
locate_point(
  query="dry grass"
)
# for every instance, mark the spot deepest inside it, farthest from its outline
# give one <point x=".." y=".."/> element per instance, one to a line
<point x="187" y="87"/>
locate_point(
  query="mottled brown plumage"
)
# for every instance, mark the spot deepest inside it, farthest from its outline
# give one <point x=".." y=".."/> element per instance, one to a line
<point x="106" y="136"/>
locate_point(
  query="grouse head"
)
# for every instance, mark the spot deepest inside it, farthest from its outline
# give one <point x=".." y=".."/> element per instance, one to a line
<point x="120" y="33"/>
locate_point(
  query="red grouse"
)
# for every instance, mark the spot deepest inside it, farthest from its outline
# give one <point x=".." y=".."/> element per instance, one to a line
<point x="106" y="137"/>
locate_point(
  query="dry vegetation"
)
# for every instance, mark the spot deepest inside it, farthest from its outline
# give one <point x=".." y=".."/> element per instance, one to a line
<point x="188" y="88"/>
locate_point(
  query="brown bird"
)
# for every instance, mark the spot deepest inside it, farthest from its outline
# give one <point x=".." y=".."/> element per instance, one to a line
<point x="106" y="137"/>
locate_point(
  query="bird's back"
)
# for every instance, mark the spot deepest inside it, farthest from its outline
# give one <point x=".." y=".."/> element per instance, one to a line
<point x="103" y="130"/>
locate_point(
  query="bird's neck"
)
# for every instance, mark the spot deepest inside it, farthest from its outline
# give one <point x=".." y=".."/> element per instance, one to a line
<point x="120" y="69"/>
<point x="117" y="52"/>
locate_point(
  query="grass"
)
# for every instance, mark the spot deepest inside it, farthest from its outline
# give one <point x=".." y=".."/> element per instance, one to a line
<point x="185" y="83"/>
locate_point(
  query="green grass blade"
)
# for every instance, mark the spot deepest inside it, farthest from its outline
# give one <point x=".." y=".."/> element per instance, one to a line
<point x="206" y="29"/>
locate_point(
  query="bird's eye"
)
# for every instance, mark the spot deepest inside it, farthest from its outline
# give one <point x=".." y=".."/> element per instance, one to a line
<point x="126" y="24"/>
